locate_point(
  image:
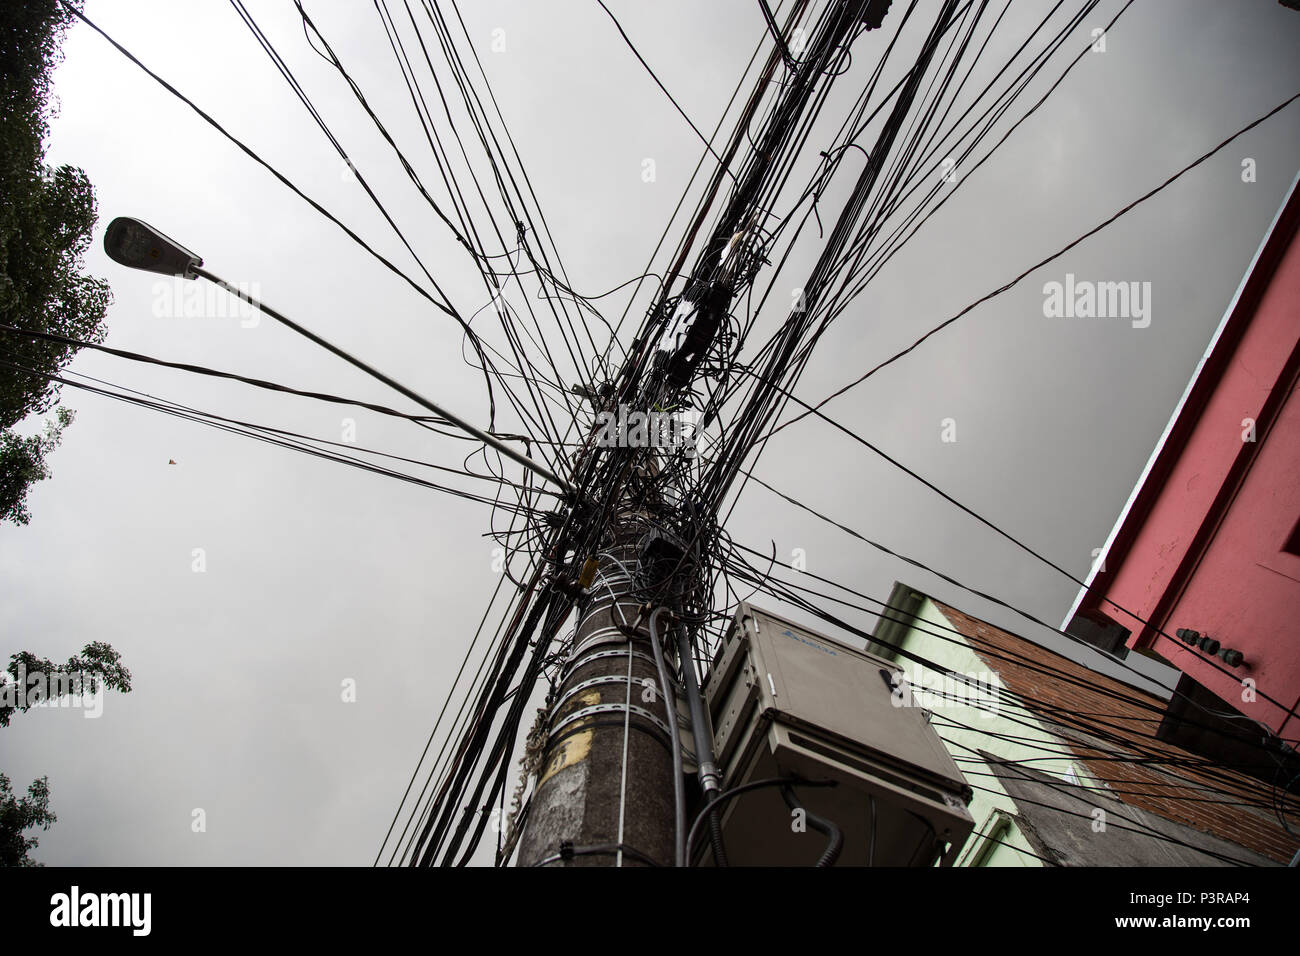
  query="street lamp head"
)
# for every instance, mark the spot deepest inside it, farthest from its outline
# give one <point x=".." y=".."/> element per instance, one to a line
<point x="139" y="245"/>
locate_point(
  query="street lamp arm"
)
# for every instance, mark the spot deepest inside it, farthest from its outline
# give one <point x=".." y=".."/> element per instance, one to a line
<point x="419" y="399"/>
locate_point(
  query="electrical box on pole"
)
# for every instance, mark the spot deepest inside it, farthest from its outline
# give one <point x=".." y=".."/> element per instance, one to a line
<point x="787" y="702"/>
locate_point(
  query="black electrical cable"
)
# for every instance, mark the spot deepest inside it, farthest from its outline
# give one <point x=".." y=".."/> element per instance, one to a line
<point x="834" y="835"/>
<point x="283" y="438"/>
<point x="677" y="106"/>
<point x="1059" y="714"/>
<point x="1060" y="252"/>
<point x="728" y="795"/>
<point x="975" y="591"/>
<point x="871" y="846"/>
<point x="443" y="305"/>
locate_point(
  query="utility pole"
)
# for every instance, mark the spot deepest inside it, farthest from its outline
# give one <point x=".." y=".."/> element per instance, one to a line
<point x="610" y="788"/>
<point x="605" y="788"/>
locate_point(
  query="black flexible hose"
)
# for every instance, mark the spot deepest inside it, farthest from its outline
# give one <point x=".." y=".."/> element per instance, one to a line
<point x="715" y="837"/>
<point x="734" y="792"/>
<point x="834" y="836"/>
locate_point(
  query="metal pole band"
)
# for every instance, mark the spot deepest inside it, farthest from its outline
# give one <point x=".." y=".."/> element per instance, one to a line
<point x="614" y="708"/>
<point x="604" y="635"/>
<point x="599" y="655"/>
<point x="592" y="682"/>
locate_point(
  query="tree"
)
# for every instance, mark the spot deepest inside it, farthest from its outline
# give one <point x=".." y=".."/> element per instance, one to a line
<point x="46" y="222"/>
<point x="97" y="665"/>
<point x="18" y="815"/>
<point x="22" y="462"/>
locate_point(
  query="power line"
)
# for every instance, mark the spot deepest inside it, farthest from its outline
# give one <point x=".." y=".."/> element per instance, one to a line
<point x="1056" y="255"/>
<point x="659" y="83"/>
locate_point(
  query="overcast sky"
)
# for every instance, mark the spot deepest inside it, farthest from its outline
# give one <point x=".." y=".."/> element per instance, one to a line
<point x="317" y="574"/>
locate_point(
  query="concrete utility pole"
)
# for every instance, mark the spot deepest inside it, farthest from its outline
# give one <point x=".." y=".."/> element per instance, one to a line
<point x="607" y="781"/>
<point x="611" y="790"/>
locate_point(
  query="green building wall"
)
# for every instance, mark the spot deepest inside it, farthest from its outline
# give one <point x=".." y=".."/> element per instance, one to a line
<point x="974" y="719"/>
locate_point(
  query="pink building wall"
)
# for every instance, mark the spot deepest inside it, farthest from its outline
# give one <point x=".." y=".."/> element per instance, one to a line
<point x="1203" y="543"/>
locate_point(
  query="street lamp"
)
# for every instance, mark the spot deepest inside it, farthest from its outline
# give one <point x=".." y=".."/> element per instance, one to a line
<point x="136" y="244"/>
<point x="139" y="245"/>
